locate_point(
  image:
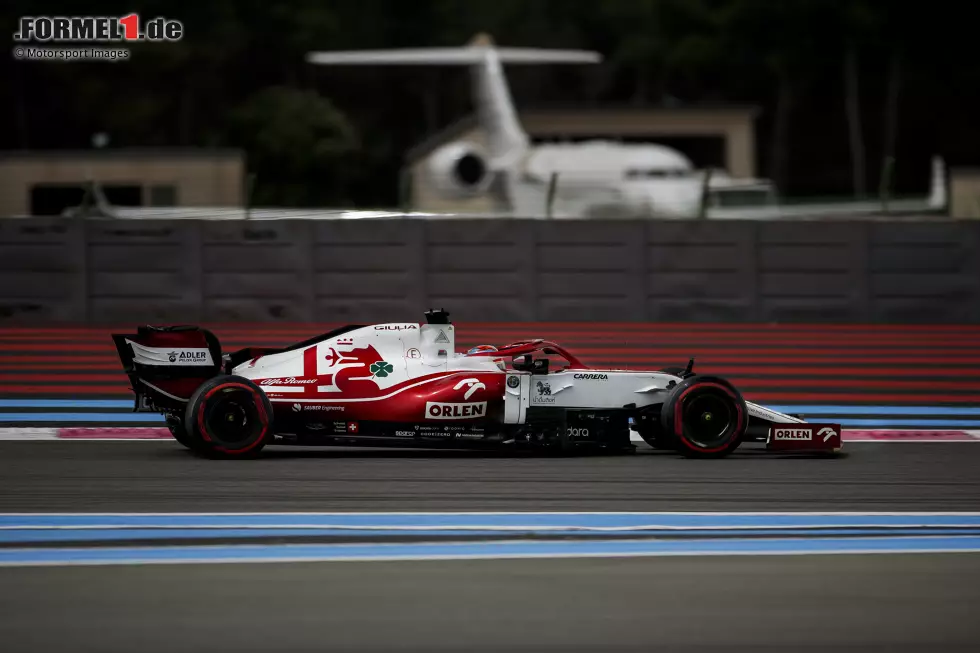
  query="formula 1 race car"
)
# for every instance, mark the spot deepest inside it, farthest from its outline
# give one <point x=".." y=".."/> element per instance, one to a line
<point x="403" y="384"/>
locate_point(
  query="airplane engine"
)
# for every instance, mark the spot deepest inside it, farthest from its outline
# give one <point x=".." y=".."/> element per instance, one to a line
<point x="460" y="170"/>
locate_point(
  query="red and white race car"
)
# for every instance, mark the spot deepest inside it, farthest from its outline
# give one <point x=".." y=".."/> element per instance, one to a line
<point x="404" y="384"/>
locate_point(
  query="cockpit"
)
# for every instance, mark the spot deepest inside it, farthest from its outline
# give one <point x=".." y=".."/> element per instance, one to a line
<point x="481" y="349"/>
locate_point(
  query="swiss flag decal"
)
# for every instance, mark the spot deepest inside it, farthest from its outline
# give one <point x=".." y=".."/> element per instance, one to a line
<point x="352" y="427"/>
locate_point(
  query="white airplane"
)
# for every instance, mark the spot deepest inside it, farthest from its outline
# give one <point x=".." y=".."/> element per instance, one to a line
<point x="589" y="178"/>
<point x="594" y="178"/>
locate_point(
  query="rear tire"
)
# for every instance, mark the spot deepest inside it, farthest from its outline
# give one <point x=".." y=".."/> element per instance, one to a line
<point x="177" y="430"/>
<point x="229" y="417"/>
<point x="706" y="417"/>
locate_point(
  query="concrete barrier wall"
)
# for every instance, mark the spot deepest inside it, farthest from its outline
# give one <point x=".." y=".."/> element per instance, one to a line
<point x="101" y="272"/>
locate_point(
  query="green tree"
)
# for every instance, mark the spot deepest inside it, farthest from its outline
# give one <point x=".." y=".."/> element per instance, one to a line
<point x="860" y="19"/>
<point x="784" y="44"/>
<point x="809" y="63"/>
<point x="664" y="44"/>
<point x="296" y="142"/>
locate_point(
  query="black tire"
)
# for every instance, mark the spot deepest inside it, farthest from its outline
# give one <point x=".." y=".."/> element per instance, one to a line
<point x="692" y="405"/>
<point x="229" y="417"/>
<point x="649" y="428"/>
<point x="176" y="426"/>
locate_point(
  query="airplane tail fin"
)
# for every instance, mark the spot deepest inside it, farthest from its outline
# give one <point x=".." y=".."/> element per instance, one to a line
<point x="491" y="94"/>
<point x="937" y="191"/>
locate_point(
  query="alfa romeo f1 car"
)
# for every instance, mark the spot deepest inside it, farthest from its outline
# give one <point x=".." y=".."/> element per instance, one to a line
<point x="404" y="384"/>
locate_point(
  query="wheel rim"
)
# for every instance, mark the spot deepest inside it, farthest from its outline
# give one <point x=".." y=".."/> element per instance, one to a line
<point x="707" y="419"/>
<point x="232" y="417"/>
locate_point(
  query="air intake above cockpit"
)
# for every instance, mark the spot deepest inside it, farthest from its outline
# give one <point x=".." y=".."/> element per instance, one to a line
<point x="440" y="316"/>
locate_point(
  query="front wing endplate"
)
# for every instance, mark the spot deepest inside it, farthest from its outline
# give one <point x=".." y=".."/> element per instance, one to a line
<point x="804" y="437"/>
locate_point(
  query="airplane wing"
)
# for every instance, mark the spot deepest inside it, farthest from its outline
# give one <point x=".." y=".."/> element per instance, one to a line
<point x="935" y="202"/>
<point x="449" y="56"/>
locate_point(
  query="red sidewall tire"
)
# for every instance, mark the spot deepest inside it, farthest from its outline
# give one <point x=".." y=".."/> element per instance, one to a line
<point x="208" y="440"/>
<point x="673" y="420"/>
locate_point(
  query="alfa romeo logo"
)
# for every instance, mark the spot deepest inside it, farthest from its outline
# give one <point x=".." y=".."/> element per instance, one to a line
<point x="381" y="369"/>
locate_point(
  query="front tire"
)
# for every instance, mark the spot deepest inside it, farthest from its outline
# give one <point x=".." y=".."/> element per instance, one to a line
<point x="706" y="417"/>
<point x="229" y="417"/>
<point x="649" y="427"/>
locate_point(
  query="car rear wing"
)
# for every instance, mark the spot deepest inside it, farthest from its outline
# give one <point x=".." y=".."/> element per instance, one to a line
<point x="166" y="364"/>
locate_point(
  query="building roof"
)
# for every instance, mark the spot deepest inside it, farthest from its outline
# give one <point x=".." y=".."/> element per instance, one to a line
<point x="156" y="153"/>
<point x="470" y="122"/>
<point x="749" y="110"/>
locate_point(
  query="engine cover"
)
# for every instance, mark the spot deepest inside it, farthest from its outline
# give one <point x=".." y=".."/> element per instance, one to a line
<point x="460" y="170"/>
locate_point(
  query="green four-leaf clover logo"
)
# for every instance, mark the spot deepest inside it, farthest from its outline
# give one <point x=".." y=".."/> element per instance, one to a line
<point x="381" y="369"/>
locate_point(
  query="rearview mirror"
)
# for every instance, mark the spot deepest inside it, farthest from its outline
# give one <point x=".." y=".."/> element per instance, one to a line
<point x="523" y="363"/>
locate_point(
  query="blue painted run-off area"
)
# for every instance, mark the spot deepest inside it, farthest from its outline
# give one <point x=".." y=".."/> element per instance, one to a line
<point x="154" y="419"/>
<point x="93" y="418"/>
<point x="372" y="551"/>
<point x="26" y="537"/>
<point x="709" y="533"/>
<point x="539" y="521"/>
<point x="36" y="411"/>
<point x="947" y="411"/>
<point x="90" y="418"/>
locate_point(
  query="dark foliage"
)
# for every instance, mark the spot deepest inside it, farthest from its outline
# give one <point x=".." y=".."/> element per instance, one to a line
<point x="337" y="136"/>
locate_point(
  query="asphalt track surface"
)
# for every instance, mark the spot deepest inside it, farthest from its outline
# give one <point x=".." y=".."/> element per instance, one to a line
<point x="164" y="477"/>
<point x="921" y="602"/>
<point x="752" y="604"/>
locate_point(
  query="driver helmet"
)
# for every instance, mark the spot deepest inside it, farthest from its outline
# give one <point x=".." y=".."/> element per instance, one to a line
<point x="479" y="349"/>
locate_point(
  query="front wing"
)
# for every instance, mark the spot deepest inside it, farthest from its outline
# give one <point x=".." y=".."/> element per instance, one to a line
<point x="790" y="433"/>
<point x="804" y="437"/>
